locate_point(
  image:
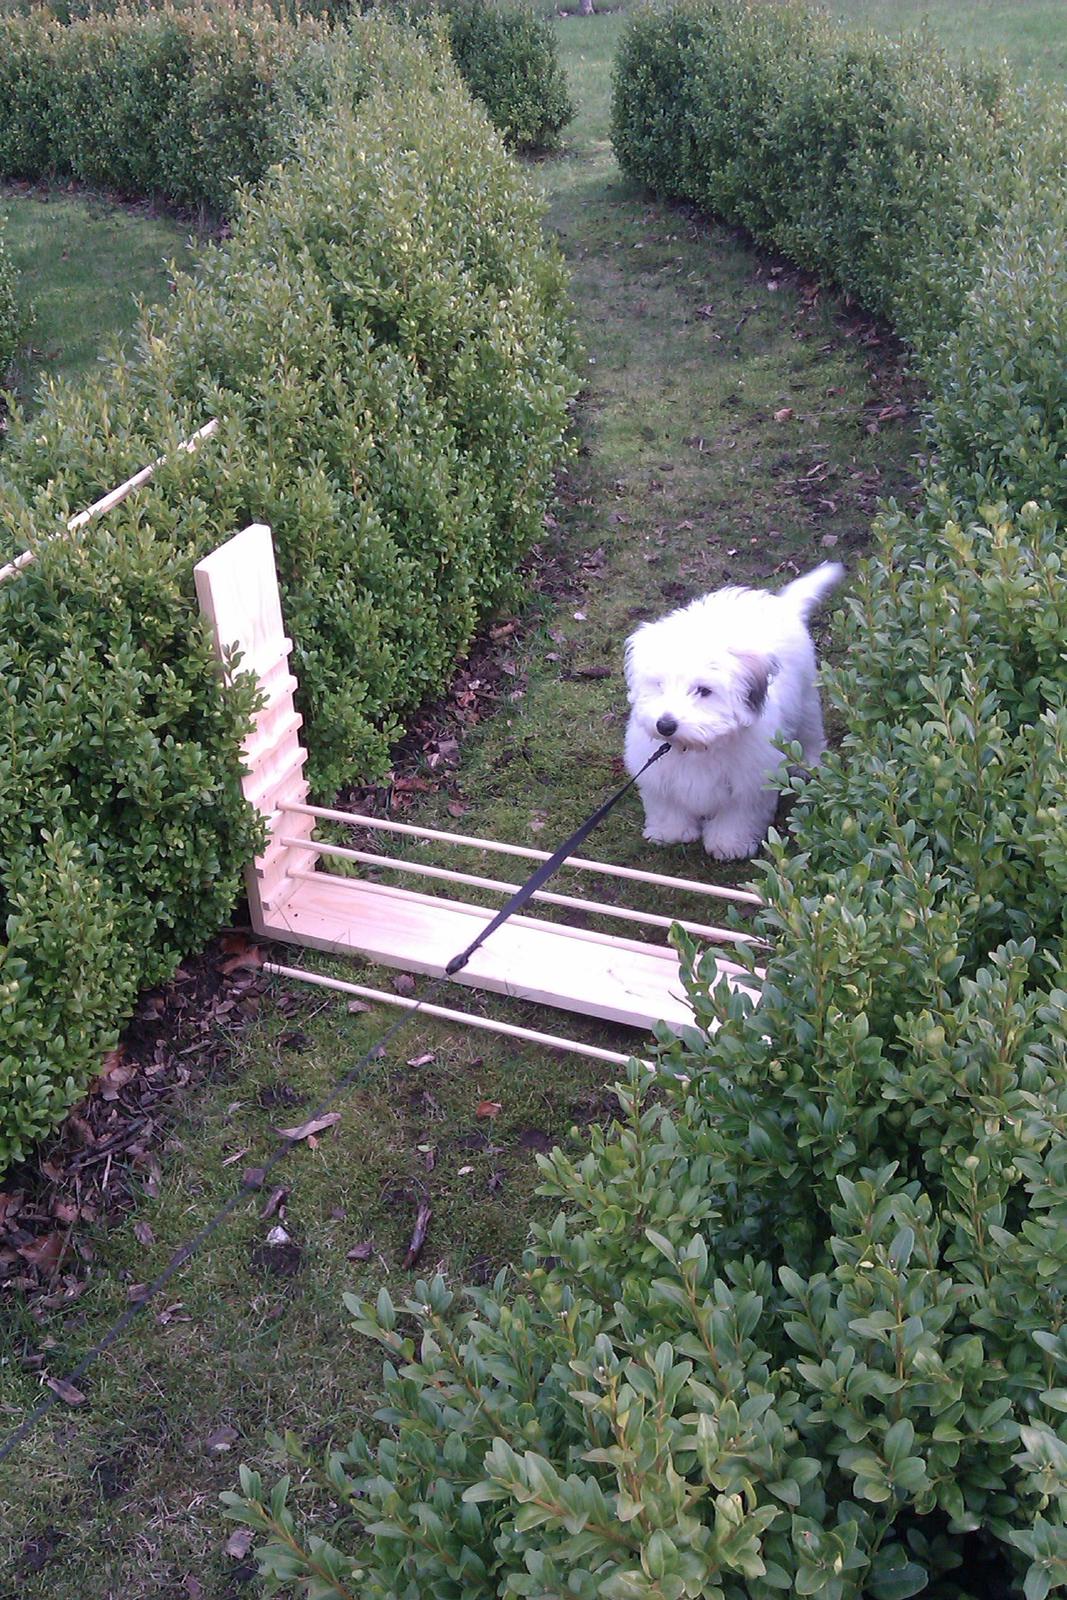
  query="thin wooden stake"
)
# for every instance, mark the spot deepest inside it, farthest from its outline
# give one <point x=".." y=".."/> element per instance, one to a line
<point x="446" y="1014"/>
<point x="689" y="885"/>
<point x="497" y="886"/>
<point x="114" y="497"/>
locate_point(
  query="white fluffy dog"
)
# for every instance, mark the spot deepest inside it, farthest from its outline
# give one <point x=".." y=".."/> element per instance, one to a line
<point x="721" y="680"/>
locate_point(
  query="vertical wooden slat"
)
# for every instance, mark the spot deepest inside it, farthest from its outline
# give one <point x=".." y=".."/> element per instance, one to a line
<point x="237" y="586"/>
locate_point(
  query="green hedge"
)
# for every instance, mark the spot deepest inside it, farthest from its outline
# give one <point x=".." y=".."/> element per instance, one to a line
<point x="186" y="100"/>
<point x="871" y="161"/>
<point x="383" y="340"/>
<point x="934" y="194"/>
<point x="999" y="408"/>
<point x="122" y="826"/>
<point x="506" y="54"/>
<point x="509" y="59"/>
<point x="184" y="104"/>
<point x="799" y="1326"/>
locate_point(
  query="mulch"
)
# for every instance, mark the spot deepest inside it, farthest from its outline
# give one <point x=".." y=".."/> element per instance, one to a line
<point x="106" y="1156"/>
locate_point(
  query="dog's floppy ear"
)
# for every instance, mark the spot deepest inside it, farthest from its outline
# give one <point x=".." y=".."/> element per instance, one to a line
<point x="633" y="657"/>
<point x="757" y="675"/>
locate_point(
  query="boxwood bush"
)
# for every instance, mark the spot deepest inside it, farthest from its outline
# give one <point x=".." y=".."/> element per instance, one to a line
<point x="185" y="100"/>
<point x="122" y="825"/>
<point x="383" y="340"/>
<point x="507" y="56"/>
<point x="182" y="104"/>
<point x="509" y="59"/>
<point x="934" y="194"/>
<point x="798" y="1327"/>
<point x="872" y="161"/>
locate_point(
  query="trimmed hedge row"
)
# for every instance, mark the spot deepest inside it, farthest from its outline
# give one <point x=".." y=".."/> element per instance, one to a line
<point x="505" y="53"/>
<point x="867" y="159"/>
<point x="799" y="1328"/>
<point x="383" y="340"/>
<point x="933" y="194"/>
<point x="509" y="59"/>
<point x="188" y="101"/>
<point x="181" y="103"/>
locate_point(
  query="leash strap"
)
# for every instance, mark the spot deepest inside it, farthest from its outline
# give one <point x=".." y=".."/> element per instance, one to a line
<point x="547" y="868"/>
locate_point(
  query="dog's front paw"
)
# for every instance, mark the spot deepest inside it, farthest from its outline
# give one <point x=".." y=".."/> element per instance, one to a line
<point x="726" y="843"/>
<point x="671" y="832"/>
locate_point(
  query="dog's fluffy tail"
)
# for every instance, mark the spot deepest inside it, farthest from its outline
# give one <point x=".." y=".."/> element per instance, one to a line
<point x="805" y="593"/>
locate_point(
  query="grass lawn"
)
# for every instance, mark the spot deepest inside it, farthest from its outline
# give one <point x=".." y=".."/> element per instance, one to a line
<point x="82" y="265"/>
<point x="684" y="477"/>
<point x="1030" y="34"/>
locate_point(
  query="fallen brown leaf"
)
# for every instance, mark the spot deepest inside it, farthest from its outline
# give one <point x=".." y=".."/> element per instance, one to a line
<point x="274" y="1202"/>
<point x="239" y="1543"/>
<point x="66" y="1391"/>
<point x="306" y="1129"/>
<point x="488" y="1108"/>
<point x="418" y="1237"/>
<point x="360" y="1252"/>
<point x="43" y="1252"/>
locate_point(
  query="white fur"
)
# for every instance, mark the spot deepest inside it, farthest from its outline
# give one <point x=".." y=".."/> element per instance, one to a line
<point x="733" y="672"/>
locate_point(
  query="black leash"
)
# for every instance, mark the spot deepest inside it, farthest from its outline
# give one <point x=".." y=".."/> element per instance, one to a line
<point x="547" y="868"/>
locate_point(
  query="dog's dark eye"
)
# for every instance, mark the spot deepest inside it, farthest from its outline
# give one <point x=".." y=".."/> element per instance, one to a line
<point x="703" y="691"/>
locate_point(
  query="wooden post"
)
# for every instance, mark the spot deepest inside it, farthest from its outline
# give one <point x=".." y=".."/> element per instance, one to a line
<point x="237" y="586"/>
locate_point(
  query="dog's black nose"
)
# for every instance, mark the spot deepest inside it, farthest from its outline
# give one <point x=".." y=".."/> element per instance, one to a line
<point x="666" y="726"/>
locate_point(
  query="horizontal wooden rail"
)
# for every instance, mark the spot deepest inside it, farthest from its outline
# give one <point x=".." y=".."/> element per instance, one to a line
<point x="497" y="886"/>
<point x="468" y="1019"/>
<point x="616" y="941"/>
<point x="115" y="497"/>
<point x="689" y="885"/>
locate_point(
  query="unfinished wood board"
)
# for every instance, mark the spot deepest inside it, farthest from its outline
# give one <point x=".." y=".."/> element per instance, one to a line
<point x="526" y="958"/>
<point x="237" y="586"/>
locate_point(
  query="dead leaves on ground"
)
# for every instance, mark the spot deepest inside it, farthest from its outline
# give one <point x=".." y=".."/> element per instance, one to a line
<point x="104" y="1157"/>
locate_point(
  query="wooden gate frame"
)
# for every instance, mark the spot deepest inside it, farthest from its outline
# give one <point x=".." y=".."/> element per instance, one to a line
<point x="292" y="900"/>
